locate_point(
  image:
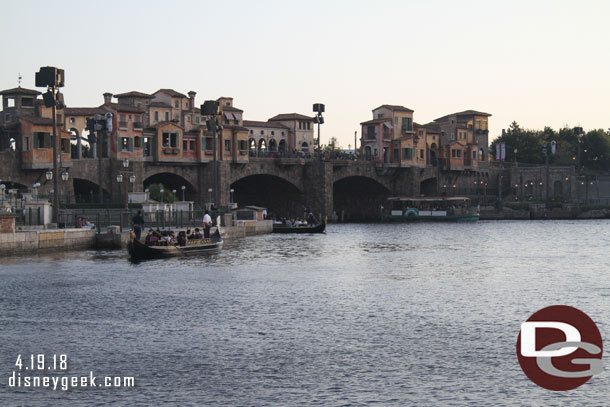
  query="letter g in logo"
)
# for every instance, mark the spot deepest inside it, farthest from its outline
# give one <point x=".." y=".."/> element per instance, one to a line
<point x="553" y="345"/>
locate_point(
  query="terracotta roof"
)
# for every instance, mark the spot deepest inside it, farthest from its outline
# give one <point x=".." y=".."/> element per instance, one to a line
<point x="377" y="121"/>
<point x="172" y="93"/>
<point x="160" y="104"/>
<point x="231" y="109"/>
<point x="160" y="124"/>
<point x="39" y="120"/>
<point x="395" y="108"/>
<point x="123" y="108"/>
<point x="20" y="91"/>
<point x="432" y="127"/>
<point x="253" y="123"/>
<point x="464" y="113"/>
<point x="83" y="111"/>
<point x="134" y="93"/>
<point x="290" y="116"/>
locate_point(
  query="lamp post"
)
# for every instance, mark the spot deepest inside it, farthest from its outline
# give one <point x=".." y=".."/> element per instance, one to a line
<point x="52" y="78"/>
<point x="162" y="191"/>
<point x="132" y="180"/>
<point x="2" y="189"/>
<point x="183" y="188"/>
<point x="64" y="178"/>
<point x="119" y="179"/>
<point x="232" y="191"/>
<point x="318" y="108"/>
<point x="210" y="197"/>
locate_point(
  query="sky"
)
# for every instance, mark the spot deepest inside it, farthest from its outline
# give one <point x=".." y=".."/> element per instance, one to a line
<point x="540" y="63"/>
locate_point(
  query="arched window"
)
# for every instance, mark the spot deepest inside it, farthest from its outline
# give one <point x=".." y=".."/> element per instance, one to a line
<point x="304" y="146"/>
<point x="272" y="145"/>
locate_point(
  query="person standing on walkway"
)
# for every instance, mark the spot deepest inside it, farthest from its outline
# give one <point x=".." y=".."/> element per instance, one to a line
<point x="138" y="224"/>
<point x="207" y="224"/>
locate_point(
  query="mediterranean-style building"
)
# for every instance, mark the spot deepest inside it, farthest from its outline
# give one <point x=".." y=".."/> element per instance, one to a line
<point x="287" y="132"/>
<point x="456" y="141"/>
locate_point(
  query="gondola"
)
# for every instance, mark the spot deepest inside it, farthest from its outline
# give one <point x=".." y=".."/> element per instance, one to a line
<point x="139" y="251"/>
<point x="319" y="228"/>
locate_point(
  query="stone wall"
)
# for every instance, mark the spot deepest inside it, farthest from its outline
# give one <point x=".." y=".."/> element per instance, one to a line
<point x="56" y="240"/>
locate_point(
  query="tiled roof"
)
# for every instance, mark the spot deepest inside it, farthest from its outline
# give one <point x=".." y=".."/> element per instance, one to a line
<point x="464" y="113"/>
<point x="395" y="108"/>
<point x="172" y="93"/>
<point x="377" y="121"/>
<point x="254" y="123"/>
<point x="290" y="116"/>
<point x="234" y="127"/>
<point x="134" y="93"/>
<point x="231" y="109"/>
<point x="123" y="108"/>
<point x="20" y="91"/>
<point x="160" y="124"/>
<point x="83" y="111"/>
<point x="39" y="120"/>
<point x="160" y="104"/>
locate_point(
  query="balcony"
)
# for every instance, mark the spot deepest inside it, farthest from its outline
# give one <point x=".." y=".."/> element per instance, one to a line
<point x="481" y="131"/>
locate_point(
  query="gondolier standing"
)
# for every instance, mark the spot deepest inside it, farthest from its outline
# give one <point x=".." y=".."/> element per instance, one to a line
<point x="138" y="224"/>
<point x="207" y="224"/>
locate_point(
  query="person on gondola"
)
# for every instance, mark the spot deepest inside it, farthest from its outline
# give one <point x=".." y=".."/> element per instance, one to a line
<point x="138" y="224"/>
<point x="207" y="224"/>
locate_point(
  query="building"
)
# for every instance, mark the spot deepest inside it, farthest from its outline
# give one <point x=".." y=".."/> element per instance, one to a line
<point x="464" y="139"/>
<point x="300" y="131"/>
<point x="267" y="137"/>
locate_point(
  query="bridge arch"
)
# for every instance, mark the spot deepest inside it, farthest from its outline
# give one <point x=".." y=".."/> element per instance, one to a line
<point x="359" y="198"/>
<point x="87" y="191"/>
<point x="173" y="181"/>
<point x="278" y="195"/>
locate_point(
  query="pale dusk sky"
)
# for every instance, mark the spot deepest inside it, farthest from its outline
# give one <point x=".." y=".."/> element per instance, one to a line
<point x="537" y="62"/>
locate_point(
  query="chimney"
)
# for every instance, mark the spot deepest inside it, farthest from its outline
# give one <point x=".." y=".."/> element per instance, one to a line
<point x="192" y="95"/>
<point x="107" y="98"/>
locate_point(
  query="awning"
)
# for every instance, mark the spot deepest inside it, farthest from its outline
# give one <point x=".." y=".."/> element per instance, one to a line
<point x="388" y="125"/>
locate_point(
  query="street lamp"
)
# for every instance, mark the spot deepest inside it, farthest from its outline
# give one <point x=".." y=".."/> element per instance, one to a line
<point x="2" y="189"/>
<point x="318" y="108"/>
<point x="49" y="175"/>
<point x="64" y="178"/>
<point x="125" y="163"/>
<point x="210" y="196"/>
<point x="132" y="180"/>
<point x="35" y="188"/>
<point x="232" y="190"/>
<point x="119" y="179"/>
<point x="162" y="191"/>
<point x="183" y="188"/>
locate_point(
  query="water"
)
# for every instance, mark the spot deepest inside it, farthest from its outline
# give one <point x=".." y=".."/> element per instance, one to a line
<point x="402" y="314"/>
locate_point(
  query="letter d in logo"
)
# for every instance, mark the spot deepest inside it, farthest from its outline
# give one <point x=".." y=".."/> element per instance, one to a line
<point x="555" y="343"/>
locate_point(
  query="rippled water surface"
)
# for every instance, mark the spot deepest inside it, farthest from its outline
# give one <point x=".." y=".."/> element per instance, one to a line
<point x="422" y="314"/>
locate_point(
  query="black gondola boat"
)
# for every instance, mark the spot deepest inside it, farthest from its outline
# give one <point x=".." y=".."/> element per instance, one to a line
<point x="139" y="251"/>
<point x="319" y="228"/>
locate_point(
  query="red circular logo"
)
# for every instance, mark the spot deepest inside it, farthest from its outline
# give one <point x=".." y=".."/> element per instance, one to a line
<point x="559" y="348"/>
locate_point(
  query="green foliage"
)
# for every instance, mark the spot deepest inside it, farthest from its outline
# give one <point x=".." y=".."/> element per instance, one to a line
<point x="333" y="145"/>
<point x="155" y="193"/>
<point x="594" y="147"/>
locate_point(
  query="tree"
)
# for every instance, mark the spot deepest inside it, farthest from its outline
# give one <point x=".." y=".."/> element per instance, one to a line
<point x="155" y="193"/>
<point x="332" y="146"/>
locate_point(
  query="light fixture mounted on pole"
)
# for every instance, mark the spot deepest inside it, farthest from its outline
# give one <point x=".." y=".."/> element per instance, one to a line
<point x="52" y="78"/>
<point x="318" y="108"/>
<point x="209" y="108"/>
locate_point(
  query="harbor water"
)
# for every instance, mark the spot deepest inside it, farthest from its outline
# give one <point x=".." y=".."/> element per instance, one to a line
<point x="366" y="314"/>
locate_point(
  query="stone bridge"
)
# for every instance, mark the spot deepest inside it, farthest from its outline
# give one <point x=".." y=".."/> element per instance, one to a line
<point x="284" y="185"/>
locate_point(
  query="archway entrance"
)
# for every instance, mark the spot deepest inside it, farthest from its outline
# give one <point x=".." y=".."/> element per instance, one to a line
<point x="280" y="197"/>
<point x="358" y="199"/>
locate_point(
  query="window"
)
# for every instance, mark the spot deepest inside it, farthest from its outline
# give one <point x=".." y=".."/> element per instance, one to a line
<point x="72" y="120"/>
<point x="186" y="104"/>
<point x="262" y="132"/>
<point x="42" y="140"/>
<point x="272" y="133"/>
<point x="421" y="153"/>
<point x="123" y="121"/>
<point x="228" y="146"/>
<point x="64" y="145"/>
<point x="188" y="119"/>
<point x="459" y="153"/>
<point x="166" y="116"/>
<point x="474" y="155"/>
<point x="27" y="102"/>
<point x="125" y="144"/>
<point x="137" y="142"/>
<point x="283" y="134"/>
<point x="7" y="117"/>
<point x="300" y="125"/>
<point x="442" y="134"/>
<point x="191" y="145"/>
<point x="169" y="140"/>
<point x="59" y="118"/>
<point x="176" y="104"/>
<point x="308" y="125"/>
<point x="197" y="119"/>
<point x="27" y="144"/>
<point x="370" y="132"/>
<point x="184" y="145"/>
<point x="396" y="120"/>
<point x="129" y="117"/>
<point x="251" y="131"/>
<point x="407" y="124"/>
<point x="453" y="154"/>
<point x="407" y="153"/>
<point x="156" y="116"/>
<point x="421" y="133"/>
<point x="395" y="155"/>
<point x="453" y="135"/>
<point x="243" y="145"/>
<point x="207" y="143"/>
<point x="148" y="146"/>
<point x="380" y="115"/>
